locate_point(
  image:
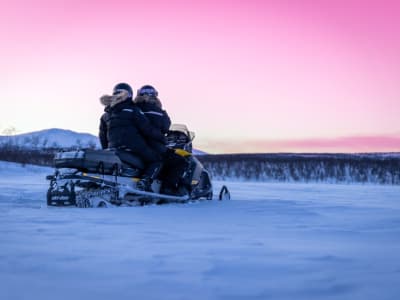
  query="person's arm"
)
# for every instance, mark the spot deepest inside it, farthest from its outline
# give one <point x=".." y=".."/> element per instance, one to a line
<point x="166" y="122"/>
<point x="103" y="133"/>
<point x="146" y="128"/>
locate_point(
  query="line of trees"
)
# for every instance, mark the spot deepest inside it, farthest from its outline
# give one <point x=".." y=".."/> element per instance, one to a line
<point x="43" y="157"/>
<point x="40" y="143"/>
<point x="339" y="168"/>
<point x="330" y="168"/>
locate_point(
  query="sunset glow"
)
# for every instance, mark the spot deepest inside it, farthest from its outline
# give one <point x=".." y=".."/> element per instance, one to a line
<point x="246" y="76"/>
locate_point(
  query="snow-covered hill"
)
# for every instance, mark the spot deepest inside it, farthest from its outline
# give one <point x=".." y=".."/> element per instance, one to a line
<point x="52" y="138"/>
<point x="272" y="241"/>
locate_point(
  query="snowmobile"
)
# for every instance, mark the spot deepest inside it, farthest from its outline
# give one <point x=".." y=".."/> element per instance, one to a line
<point x="104" y="178"/>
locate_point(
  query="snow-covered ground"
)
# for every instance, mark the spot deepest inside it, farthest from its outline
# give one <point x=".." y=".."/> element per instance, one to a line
<point x="271" y="241"/>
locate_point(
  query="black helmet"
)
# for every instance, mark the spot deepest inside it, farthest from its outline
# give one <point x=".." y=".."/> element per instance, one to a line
<point x="124" y="87"/>
<point x="148" y="90"/>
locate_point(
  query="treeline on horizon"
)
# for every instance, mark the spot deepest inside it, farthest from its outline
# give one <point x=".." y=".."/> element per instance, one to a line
<point x="287" y="167"/>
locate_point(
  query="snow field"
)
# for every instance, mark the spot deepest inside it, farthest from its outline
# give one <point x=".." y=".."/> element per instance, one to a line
<point x="272" y="241"/>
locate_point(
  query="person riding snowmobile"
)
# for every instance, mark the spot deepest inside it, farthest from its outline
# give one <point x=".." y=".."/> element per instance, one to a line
<point x="174" y="165"/>
<point x="147" y="100"/>
<point x="124" y="127"/>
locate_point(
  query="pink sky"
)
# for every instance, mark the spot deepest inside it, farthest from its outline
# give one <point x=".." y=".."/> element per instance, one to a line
<point x="246" y="76"/>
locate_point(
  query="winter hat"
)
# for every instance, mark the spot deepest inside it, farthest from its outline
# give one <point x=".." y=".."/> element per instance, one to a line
<point x="122" y="86"/>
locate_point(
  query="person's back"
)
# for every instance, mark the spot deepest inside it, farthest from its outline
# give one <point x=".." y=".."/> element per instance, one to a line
<point x="149" y="103"/>
<point x="174" y="165"/>
<point x="128" y="129"/>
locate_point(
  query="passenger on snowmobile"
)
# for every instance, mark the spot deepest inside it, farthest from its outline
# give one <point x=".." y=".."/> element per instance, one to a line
<point x="124" y="127"/>
<point x="148" y="101"/>
<point x="106" y="101"/>
<point x="174" y="165"/>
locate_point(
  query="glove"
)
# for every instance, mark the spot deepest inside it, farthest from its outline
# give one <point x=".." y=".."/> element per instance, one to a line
<point x="169" y="152"/>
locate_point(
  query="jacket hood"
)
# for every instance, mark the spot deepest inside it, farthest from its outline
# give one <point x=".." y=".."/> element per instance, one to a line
<point x="149" y="100"/>
<point x="113" y="100"/>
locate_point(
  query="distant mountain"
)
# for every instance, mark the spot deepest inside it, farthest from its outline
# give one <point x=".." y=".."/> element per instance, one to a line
<point x="52" y="138"/>
<point x="57" y="138"/>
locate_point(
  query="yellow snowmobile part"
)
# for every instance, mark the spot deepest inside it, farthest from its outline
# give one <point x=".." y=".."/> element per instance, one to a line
<point x="182" y="152"/>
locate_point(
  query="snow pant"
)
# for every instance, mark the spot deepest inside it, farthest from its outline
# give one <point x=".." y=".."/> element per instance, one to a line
<point x="151" y="161"/>
<point x="173" y="170"/>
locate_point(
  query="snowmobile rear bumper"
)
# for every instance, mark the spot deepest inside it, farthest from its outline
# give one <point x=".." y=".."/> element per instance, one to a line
<point x="61" y="197"/>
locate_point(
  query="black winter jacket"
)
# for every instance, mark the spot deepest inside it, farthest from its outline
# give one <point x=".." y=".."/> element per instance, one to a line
<point x="159" y="118"/>
<point x="124" y="125"/>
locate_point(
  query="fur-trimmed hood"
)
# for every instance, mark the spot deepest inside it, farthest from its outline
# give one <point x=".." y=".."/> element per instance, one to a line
<point x="150" y="100"/>
<point x="113" y="100"/>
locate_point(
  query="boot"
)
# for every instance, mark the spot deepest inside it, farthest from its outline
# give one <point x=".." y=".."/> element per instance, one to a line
<point x="144" y="184"/>
<point x="182" y="191"/>
<point x="149" y="175"/>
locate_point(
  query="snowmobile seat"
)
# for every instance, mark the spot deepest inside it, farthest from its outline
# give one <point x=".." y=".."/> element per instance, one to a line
<point x="130" y="159"/>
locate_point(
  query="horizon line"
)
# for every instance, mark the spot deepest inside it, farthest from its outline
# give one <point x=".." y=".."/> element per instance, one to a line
<point x="363" y="143"/>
